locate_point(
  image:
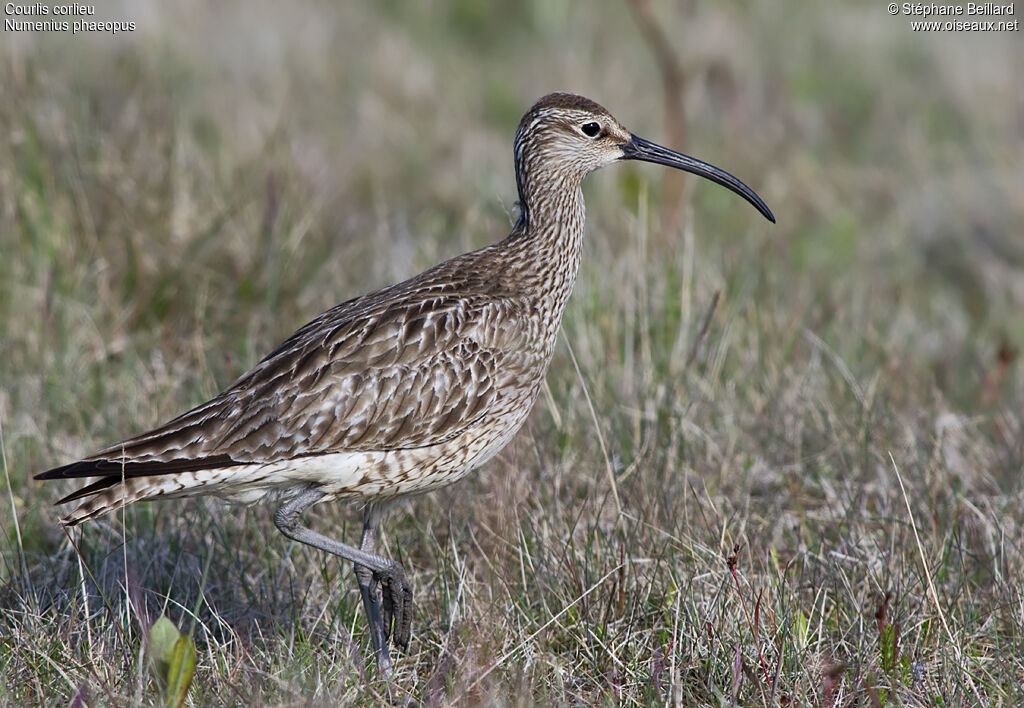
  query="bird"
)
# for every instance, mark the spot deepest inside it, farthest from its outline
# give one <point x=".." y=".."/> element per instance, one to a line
<point x="400" y="391"/>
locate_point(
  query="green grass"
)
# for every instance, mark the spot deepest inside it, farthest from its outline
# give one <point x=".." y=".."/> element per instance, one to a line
<point x="808" y="493"/>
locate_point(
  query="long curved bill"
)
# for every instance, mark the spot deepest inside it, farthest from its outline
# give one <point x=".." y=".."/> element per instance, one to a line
<point x="639" y="149"/>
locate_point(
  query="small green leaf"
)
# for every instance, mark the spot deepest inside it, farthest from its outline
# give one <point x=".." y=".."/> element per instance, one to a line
<point x="180" y="671"/>
<point x="173" y="661"/>
<point x="162" y="637"/>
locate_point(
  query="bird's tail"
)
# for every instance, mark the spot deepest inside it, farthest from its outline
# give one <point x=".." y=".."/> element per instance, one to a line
<point x="111" y="493"/>
<point x="107" y="495"/>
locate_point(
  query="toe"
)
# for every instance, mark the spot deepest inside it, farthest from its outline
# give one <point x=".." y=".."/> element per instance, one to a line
<point x="387" y="607"/>
<point x="403" y="621"/>
<point x="400" y="613"/>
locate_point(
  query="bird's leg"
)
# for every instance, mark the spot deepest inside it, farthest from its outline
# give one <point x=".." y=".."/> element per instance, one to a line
<point x="397" y="600"/>
<point x="387" y="572"/>
<point x="368" y="589"/>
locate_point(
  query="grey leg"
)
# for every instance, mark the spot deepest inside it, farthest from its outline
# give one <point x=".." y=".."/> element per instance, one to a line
<point x="391" y="575"/>
<point x="371" y="598"/>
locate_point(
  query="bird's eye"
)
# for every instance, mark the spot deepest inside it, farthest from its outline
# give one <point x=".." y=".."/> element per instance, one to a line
<point x="591" y="130"/>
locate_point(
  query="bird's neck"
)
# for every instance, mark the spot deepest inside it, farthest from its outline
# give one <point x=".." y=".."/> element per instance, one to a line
<point x="546" y="244"/>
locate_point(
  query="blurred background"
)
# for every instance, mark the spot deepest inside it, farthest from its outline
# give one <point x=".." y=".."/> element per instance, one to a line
<point x="177" y="199"/>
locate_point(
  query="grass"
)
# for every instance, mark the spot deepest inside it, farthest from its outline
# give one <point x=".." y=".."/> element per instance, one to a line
<point x="776" y="465"/>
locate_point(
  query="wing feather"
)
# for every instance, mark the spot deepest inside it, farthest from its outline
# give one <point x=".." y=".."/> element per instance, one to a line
<point x="375" y="373"/>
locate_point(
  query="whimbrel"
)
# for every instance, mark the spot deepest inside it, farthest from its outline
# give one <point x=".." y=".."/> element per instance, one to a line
<point x="401" y="391"/>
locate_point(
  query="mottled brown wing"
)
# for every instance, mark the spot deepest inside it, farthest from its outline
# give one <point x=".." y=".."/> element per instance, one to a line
<point x="370" y="374"/>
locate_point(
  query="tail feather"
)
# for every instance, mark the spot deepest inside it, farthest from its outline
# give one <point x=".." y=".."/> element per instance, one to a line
<point x="88" y="490"/>
<point x="115" y="468"/>
<point x="123" y="482"/>
<point x="110" y="494"/>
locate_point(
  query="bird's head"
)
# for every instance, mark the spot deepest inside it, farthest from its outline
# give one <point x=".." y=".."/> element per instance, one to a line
<point x="571" y="135"/>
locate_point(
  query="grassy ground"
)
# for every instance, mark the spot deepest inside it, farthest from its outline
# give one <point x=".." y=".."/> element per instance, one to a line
<point x="807" y="494"/>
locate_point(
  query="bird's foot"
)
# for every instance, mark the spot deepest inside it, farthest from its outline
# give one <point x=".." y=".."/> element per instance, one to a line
<point x="396" y="605"/>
